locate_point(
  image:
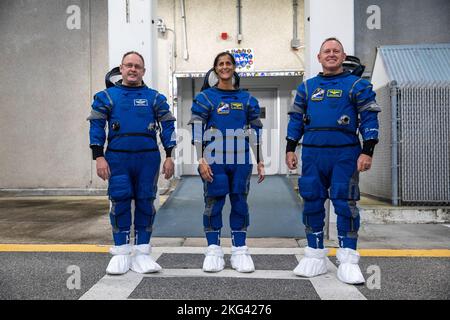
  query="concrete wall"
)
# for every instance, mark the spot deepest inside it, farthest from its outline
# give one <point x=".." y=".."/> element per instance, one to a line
<point x="385" y="22"/>
<point x="267" y="27"/>
<point x="325" y="19"/>
<point x="55" y="56"/>
<point x="130" y="28"/>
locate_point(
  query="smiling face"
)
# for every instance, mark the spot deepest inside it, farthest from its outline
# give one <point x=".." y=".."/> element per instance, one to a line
<point x="132" y="69"/>
<point x="331" y="57"/>
<point x="224" y="68"/>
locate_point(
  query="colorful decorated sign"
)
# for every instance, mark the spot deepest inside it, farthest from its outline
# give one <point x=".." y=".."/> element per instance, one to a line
<point x="245" y="59"/>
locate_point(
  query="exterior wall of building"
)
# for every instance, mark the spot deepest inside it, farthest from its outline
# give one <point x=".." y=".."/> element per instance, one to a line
<point x="325" y="19"/>
<point x="386" y="22"/>
<point x="267" y="28"/>
<point x="55" y="56"/>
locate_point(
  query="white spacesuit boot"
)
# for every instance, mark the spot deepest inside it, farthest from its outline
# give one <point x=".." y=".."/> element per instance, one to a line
<point x="121" y="260"/>
<point x="314" y="263"/>
<point x="241" y="260"/>
<point x="213" y="259"/>
<point x="348" y="270"/>
<point x="142" y="261"/>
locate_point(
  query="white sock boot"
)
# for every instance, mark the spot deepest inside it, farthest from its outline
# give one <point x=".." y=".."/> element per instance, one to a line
<point x="241" y="260"/>
<point x="314" y="263"/>
<point x="142" y="261"/>
<point x="349" y="271"/>
<point x="213" y="259"/>
<point x="121" y="260"/>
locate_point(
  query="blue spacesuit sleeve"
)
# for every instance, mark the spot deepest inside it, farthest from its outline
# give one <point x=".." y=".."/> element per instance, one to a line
<point x="101" y="108"/>
<point x="363" y="97"/>
<point x="296" y="112"/>
<point x="166" y="120"/>
<point x="200" y="110"/>
<point x="254" y="121"/>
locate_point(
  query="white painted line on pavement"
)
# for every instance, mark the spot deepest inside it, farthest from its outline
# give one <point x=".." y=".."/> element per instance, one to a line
<point x="227" y="250"/>
<point x="446" y="225"/>
<point x="329" y="287"/>
<point x="226" y="273"/>
<point x="115" y="287"/>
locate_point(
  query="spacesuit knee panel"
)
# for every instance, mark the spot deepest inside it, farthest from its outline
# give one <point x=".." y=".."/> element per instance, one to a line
<point x="119" y="188"/>
<point x="218" y="187"/>
<point x="347" y="225"/>
<point x="212" y="217"/>
<point x="313" y="207"/>
<point x="239" y="204"/>
<point x="314" y="222"/>
<point x="120" y="215"/>
<point x="241" y="179"/>
<point x="345" y="191"/>
<point x="344" y="197"/>
<point x="310" y="188"/>
<point x="144" y="213"/>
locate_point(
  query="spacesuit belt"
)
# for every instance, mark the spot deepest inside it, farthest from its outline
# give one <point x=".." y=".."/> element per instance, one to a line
<point x="134" y="151"/>
<point x="110" y="138"/>
<point x="330" y="145"/>
<point x="331" y="129"/>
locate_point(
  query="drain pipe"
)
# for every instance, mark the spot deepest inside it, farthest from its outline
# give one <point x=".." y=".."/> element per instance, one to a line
<point x="394" y="136"/>
<point x="183" y="17"/>
<point x="239" y="14"/>
<point x="295" y="42"/>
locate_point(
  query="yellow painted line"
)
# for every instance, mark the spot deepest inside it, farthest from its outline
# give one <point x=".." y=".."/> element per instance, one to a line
<point x="430" y="253"/>
<point x="54" y="248"/>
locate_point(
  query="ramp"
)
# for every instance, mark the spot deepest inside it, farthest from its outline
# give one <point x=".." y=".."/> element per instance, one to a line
<point x="275" y="210"/>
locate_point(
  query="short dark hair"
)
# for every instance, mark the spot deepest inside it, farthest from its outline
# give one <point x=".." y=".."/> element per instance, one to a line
<point x="331" y="39"/>
<point x="216" y="60"/>
<point x="136" y="53"/>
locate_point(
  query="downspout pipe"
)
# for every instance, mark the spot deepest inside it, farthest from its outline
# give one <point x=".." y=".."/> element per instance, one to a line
<point x="239" y="14"/>
<point x="295" y="42"/>
<point x="183" y="17"/>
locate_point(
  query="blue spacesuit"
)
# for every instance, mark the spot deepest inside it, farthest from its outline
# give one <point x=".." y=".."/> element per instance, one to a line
<point x="134" y="115"/>
<point x="328" y="112"/>
<point x="226" y="125"/>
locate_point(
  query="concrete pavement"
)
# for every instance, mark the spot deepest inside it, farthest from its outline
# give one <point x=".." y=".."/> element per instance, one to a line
<point x="43" y="237"/>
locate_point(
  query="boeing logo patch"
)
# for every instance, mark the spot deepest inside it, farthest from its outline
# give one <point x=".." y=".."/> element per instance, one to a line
<point x="224" y="108"/>
<point x="318" y="94"/>
<point x="140" y="102"/>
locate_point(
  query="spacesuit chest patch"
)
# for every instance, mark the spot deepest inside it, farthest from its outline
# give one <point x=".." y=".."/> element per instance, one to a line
<point x="318" y="94"/>
<point x="224" y="108"/>
<point x="237" y="106"/>
<point x="334" y="93"/>
<point x="140" y="102"/>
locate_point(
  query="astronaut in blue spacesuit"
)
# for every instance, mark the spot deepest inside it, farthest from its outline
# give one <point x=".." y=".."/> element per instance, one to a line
<point x="226" y="125"/>
<point x="328" y="112"/>
<point x="133" y="113"/>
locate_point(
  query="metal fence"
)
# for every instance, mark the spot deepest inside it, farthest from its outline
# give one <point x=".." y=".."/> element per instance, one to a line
<point x="411" y="165"/>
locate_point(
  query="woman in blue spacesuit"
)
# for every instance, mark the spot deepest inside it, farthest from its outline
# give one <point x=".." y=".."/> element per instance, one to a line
<point x="226" y="125"/>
